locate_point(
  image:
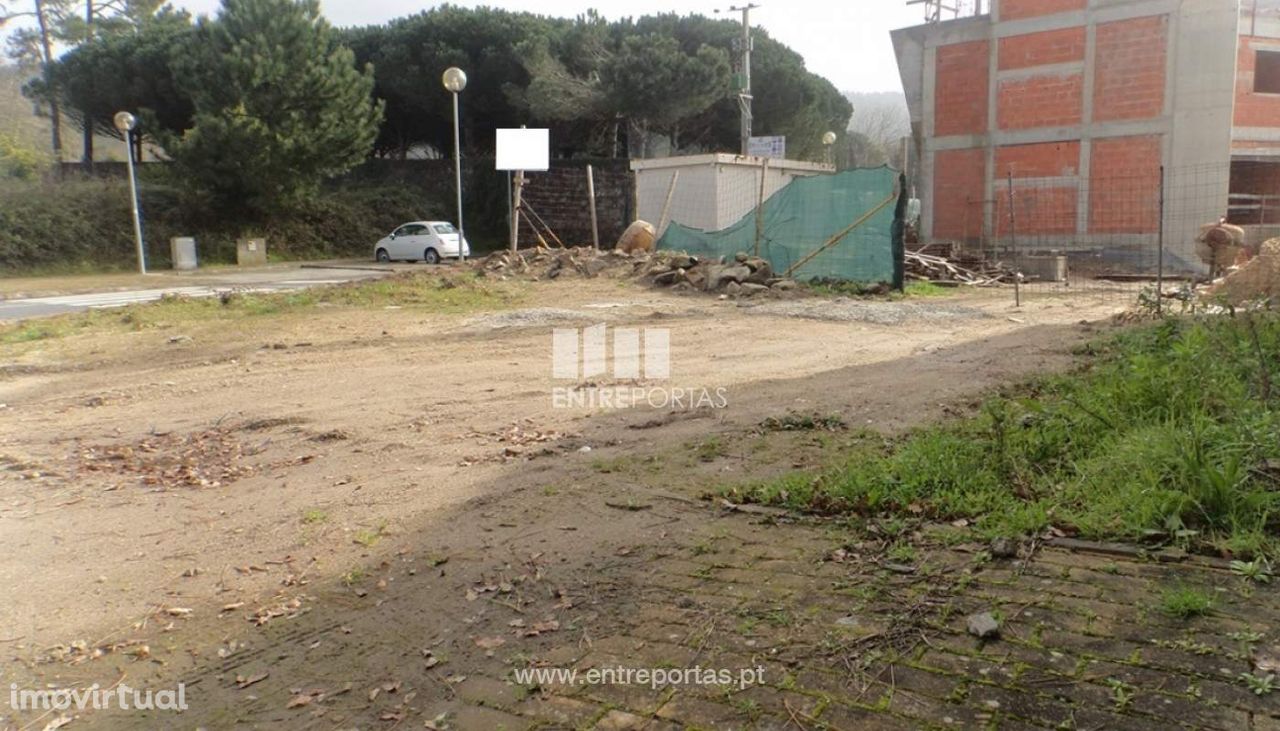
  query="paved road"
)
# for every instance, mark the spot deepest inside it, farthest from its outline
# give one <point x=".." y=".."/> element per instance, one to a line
<point x="19" y="309"/>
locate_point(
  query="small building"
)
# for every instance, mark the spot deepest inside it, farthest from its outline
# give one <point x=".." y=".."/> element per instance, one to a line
<point x="1081" y="105"/>
<point x="712" y="191"/>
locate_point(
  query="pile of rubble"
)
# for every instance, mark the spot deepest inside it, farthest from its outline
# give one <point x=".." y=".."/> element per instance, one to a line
<point x="1256" y="279"/>
<point x="943" y="262"/>
<point x="744" y="276"/>
<point x="544" y="263"/>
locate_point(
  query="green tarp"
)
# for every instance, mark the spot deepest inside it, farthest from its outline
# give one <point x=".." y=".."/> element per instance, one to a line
<point x="805" y="214"/>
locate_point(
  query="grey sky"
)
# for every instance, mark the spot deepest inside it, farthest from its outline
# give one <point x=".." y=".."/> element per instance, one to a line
<point x="847" y="42"/>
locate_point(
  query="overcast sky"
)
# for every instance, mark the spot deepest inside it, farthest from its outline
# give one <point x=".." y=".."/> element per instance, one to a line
<point x="847" y="42"/>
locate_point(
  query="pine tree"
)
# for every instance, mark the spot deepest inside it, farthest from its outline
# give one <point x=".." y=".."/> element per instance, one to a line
<point x="279" y="104"/>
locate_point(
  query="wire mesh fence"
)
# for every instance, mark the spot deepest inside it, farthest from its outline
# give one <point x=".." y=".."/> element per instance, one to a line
<point x="1113" y="233"/>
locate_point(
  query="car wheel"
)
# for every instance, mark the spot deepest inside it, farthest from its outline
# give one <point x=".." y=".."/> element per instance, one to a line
<point x="383" y="256"/>
<point x="431" y="257"/>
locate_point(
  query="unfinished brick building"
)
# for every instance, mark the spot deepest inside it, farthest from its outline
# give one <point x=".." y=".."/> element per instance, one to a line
<point x="1077" y="104"/>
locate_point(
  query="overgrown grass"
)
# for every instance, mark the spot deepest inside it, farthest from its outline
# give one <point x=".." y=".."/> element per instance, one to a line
<point x="928" y="289"/>
<point x="1169" y="434"/>
<point x="448" y="295"/>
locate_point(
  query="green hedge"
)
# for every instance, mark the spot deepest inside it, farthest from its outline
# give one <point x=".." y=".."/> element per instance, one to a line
<point x="85" y="224"/>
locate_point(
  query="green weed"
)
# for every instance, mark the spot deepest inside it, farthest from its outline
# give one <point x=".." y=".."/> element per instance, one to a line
<point x="1259" y="684"/>
<point x="1185" y="602"/>
<point x="1257" y="570"/>
<point x="312" y="516"/>
<point x="1163" y="436"/>
<point x="368" y="538"/>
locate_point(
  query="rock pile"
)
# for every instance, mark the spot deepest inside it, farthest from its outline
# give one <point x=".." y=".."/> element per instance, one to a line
<point x="744" y="276"/>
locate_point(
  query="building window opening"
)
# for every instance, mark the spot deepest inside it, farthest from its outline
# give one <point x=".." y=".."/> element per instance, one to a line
<point x="1266" y="73"/>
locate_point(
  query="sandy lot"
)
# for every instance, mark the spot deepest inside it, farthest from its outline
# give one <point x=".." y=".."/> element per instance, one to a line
<point x="159" y="488"/>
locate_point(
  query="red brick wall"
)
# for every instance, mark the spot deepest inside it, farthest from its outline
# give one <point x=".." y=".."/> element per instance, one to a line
<point x="960" y="102"/>
<point x="959" y="179"/>
<point x="1015" y="9"/>
<point x="1124" y="184"/>
<point x="1040" y="101"/>
<point x="1129" y="70"/>
<point x="1038" y="49"/>
<point x="1037" y="210"/>
<point x="1253" y="110"/>
<point x="1044" y="160"/>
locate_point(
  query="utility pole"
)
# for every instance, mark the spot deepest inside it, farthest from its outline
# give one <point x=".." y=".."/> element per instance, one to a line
<point x="744" y="76"/>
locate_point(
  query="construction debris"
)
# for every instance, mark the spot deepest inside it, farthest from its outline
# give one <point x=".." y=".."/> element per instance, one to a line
<point x="942" y="262"/>
<point x="1257" y="279"/>
<point x="744" y="276"/>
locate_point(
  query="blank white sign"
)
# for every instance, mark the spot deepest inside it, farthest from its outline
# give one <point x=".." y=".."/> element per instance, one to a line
<point x="523" y="149"/>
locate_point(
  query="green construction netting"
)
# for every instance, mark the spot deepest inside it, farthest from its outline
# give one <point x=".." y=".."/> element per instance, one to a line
<point x="806" y="213"/>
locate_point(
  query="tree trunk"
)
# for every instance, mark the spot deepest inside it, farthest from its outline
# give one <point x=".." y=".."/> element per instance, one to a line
<point x="55" y="110"/>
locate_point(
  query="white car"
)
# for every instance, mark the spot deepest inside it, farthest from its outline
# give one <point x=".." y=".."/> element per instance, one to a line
<point x="428" y="241"/>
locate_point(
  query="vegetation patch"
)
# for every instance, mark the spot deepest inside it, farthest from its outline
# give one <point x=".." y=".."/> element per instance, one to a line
<point x="85" y="225"/>
<point x="793" y="421"/>
<point x="1168" y="434"/>
<point x="421" y="290"/>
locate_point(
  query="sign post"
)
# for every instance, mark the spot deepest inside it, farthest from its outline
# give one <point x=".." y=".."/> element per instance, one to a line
<point x="520" y="150"/>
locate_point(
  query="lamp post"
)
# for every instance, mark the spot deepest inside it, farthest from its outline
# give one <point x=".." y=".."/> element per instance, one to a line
<point x="455" y="80"/>
<point x="126" y="122"/>
<point x="828" y="140"/>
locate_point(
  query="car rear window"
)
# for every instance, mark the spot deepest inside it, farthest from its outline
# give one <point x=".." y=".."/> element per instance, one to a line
<point x="445" y="228"/>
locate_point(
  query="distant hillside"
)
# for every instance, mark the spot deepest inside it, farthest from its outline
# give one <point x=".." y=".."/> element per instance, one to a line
<point x="880" y="115"/>
<point x="17" y="116"/>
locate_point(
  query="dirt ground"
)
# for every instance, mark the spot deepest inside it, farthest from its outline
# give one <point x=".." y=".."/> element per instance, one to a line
<point x="368" y="519"/>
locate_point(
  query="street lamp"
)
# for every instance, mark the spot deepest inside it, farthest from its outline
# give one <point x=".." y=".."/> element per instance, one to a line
<point x="455" y="80"/>
<point x="126" y="122"/>
<point x="829" y="139"/>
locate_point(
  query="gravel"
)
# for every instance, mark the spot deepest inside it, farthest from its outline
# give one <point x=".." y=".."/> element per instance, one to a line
<point x="879" y="313"/>
<point x="532" y="317"/>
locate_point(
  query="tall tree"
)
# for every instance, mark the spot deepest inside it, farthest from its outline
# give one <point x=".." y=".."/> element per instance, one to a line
<point x="409" y="54"/>
<point x="121" y="67"/>
<point x="102" y="19"/>
<point x="652" y="82"/>
<point x="32" y="47"/>
<point x="279" y="104"/>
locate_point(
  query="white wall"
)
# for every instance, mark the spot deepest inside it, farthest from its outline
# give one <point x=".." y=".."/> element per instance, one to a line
<point x="713" y="191"/>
